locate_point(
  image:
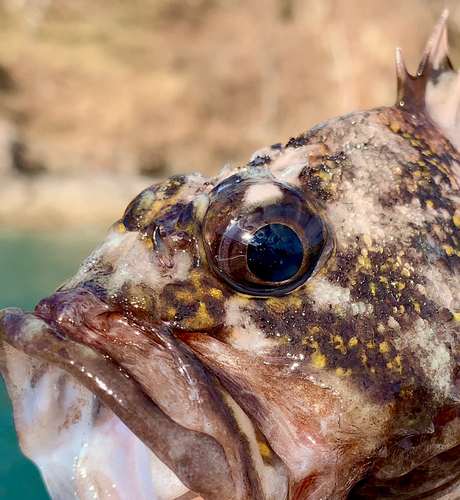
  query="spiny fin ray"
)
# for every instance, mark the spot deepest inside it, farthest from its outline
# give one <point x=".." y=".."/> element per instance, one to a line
<point x="435" y="89"/>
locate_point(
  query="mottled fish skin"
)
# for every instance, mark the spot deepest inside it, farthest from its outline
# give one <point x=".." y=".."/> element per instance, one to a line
<point x="336" y="377"/>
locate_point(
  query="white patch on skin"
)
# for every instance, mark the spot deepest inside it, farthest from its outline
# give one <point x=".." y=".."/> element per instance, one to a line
<point x="182" y="266"/>
<point x="136" y="267"/>
<point x="413" y="213"/>
<point x="426" y="344"/>
<point x="392" y="323"/>
<point x="245" y="335"/>
<point x="261" y="194"/>
<point x="287" y="167"/>
<point x="140" y="266"/>
<point x="326" y="294"/>
<point x="444" y="293"/>
<point x="356" y="218"/>
<point x="291" y="174"/>
<point x="112" y="249"/>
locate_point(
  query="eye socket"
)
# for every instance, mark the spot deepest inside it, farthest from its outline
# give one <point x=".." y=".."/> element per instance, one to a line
<point x="262" y="237"/>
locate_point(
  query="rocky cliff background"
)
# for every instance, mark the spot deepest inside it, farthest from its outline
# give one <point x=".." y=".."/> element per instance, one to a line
<point x="100" y="98"/>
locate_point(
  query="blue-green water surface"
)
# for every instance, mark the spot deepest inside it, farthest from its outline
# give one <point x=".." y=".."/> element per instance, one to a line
<point x="32" y="266"/>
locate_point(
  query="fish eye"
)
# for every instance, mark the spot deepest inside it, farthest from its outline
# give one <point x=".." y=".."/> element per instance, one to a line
<point x="262" y="237"/>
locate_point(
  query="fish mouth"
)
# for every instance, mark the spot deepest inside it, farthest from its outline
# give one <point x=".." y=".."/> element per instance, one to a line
<point x="97" y="365"/>
<point x="115" y="405"/>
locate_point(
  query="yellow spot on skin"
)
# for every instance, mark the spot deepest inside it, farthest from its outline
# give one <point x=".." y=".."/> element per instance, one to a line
<point x="367" y="240"/>
<point x="456" y="218"/>
<point x="201" y="320"/>
<point x="119" y="227"/>
<point x="457" y="317"/>
<point x="401" y="285"/>
<point x="295" y="301"/>
<point x="353" y="342"/>
<point x="416" y="306"/>
<point x="185" y="296"/>
<point x="384" y="279"/>
<point x="405" y="272"/>
<point x="323" y="175"/>
<point x="284" y="340"/>
<point x="395" y="127"/>
<point x="395" y="364"/>
<point x="216" y="293"/>
<point x="340" y="371"/>
<point x="264" y="449"/>
<point x="407" y="392"/>
<point x="373" y="288"/>
<point x="313" y="330"/>
<point x="364" y="262"/>
<point x="439" y="231"/>
<point x="422" y="163"/>
<point x="146" y="241"/>
<point x="339" y="344"/>
<point x="370" y="345"/>
<point x="195" y="279"/>
<point x="278" y="305"/>
<point x="171" y="313"/>
<point x="318" y="358"/>
<point x="384" y="347"/>
<point x="332" y="188"/>
<point x="430" y="203"/>
<point x="450" y="250"/>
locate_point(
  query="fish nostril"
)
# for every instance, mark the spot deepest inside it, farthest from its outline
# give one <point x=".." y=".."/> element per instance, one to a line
<point x="164" y="254"/>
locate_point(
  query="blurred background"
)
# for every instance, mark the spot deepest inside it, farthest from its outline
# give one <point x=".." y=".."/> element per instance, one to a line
<point x="99" y="99"/>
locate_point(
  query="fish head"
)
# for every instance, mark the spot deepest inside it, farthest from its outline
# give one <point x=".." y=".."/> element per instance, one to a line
<point x="285" y="330"/>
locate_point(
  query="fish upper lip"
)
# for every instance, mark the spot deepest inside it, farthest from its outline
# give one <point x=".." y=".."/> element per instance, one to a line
<point x="80" y="334"/>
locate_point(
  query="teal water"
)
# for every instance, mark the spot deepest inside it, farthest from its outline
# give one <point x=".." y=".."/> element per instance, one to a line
<point x="32" y="266"/>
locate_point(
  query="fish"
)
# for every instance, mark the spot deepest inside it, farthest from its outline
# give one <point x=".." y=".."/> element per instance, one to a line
<point x="286" y="330"/>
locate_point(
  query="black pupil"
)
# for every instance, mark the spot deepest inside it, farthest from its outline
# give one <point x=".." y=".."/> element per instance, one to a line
<point x="275" y="253"/>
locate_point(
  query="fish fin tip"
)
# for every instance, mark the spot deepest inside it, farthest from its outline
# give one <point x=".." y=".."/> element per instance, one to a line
<point x="442" y="92"/>
<point x="436" y="54"/>
<point x="416" y="92"/>
<point x="411" y="89"/>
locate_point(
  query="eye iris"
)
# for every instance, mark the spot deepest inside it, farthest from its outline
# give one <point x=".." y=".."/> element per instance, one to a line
<point x="263" y="242"/>
<point x="275" y="253"/>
